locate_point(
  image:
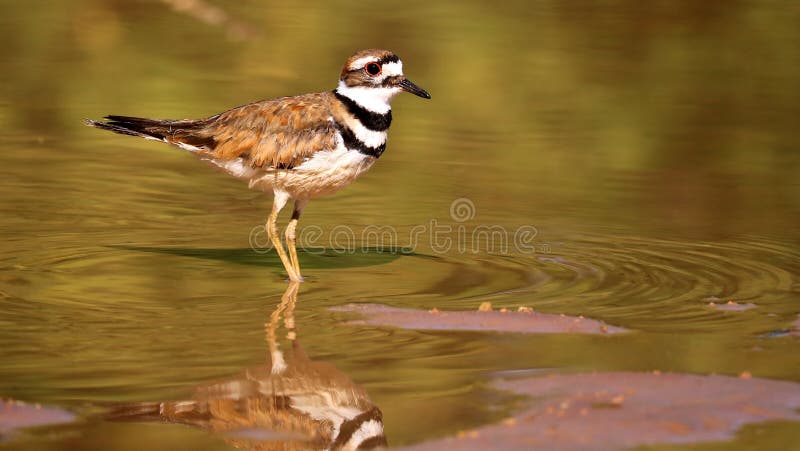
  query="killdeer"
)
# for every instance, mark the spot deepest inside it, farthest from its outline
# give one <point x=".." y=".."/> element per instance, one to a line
<point x="310" y="404"/>
<point x="300" y="147"/>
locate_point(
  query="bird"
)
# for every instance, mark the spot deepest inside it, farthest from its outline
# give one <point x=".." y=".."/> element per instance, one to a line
<point x="299" y="147"/>
<point x="288" y="402"/>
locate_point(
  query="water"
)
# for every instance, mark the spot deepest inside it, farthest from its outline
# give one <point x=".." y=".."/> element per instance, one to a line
<point x="651" y="152"/>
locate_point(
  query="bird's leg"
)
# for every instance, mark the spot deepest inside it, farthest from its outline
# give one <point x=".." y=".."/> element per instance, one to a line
<point x="285" y="308"/>
<point x="276" y="356"/>
<point x="274" y="236"/>
<point x="291" y="237"/>
<point x="288" y="316"/>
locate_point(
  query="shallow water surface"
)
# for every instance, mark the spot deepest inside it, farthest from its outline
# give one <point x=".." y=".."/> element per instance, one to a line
<point x="631" y="164"/>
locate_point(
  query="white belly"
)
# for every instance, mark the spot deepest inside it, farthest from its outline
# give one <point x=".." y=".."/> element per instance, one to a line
<point x="325" y="173"/>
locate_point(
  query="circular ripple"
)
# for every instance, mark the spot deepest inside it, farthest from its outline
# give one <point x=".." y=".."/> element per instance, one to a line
<point x="637" y="282"/>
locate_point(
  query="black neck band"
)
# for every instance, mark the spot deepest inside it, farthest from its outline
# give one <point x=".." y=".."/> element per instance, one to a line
<point x="351" y="142"/>
<point x="373" y="121"/>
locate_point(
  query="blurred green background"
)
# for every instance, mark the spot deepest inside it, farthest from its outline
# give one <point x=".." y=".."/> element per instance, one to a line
<point x="653" y="146"/>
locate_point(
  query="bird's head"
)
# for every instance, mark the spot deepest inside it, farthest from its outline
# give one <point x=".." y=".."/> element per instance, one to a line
<point x="373" y="77"/>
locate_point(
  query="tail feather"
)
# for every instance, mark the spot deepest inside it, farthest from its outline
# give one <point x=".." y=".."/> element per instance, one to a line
<point x="184" y="133"/>
<point x="120" y="129"/>
<point x="134" y="411"/>
<point x="186" y="412"/>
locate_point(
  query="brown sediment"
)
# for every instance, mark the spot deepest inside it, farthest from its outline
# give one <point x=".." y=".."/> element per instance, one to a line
<point x="732" y="306"/>
<point x="17" y="415"/>
<point x="623" y="410"/>
<point x="487" y="320"/>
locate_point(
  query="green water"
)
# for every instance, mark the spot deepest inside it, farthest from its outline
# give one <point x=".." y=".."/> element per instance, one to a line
<point x="650" y="151"/>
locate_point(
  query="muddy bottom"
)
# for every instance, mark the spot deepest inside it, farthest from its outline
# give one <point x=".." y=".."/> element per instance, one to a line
<point x="15" y="415"/>
<point x="731" y="306"/>
<point x="622" y="410"/>
<point x="523" y="320"/>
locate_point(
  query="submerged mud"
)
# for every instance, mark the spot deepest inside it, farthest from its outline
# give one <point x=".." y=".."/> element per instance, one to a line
<point x="732" y="306"/>
<point x="623" y="410"/>
<point x="523" y="320"/>
<point x="15" y="415"/>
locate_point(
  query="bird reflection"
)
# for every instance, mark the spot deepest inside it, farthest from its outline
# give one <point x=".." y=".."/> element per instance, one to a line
<point x="291" y="402"/>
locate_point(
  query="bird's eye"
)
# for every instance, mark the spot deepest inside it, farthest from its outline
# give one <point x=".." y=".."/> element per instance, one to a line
<point x="373" y="69"/>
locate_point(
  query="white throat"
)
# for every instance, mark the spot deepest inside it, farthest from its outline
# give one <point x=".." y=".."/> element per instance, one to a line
<point x="375" y="99"/>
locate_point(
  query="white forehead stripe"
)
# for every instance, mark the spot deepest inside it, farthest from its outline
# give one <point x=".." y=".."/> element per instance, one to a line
<point x="390" y="68"/>
<point x="393" y="68"/>
<point x="361" y="62"/>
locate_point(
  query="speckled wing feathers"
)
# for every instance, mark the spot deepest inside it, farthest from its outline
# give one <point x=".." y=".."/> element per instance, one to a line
<point x="272" y="134"/>
<point x="277" y="133"/>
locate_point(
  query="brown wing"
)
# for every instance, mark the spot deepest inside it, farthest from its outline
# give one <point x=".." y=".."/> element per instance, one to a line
<point x="278" y="133"/>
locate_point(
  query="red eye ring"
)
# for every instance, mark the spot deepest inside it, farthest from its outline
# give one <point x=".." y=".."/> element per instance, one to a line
<point x="373" y="69"/>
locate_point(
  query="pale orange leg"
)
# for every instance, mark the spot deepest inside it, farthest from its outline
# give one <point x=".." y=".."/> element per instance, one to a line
<point x="291" y="236"/>
<point x="274" y="236"/>
<point x="288" y="316"/>
<point x="285" y="308"/>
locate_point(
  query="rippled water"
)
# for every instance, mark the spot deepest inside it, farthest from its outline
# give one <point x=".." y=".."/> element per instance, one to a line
<point x="651" y="156"/>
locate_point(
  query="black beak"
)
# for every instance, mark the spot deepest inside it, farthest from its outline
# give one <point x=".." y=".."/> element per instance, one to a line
<point x="408" y="86"/>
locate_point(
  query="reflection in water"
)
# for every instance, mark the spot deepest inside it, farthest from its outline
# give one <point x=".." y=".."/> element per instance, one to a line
<point x="290" y="401"/>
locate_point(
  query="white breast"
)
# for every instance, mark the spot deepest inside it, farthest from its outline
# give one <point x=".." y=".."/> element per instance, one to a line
<point x="326" y="172"/>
